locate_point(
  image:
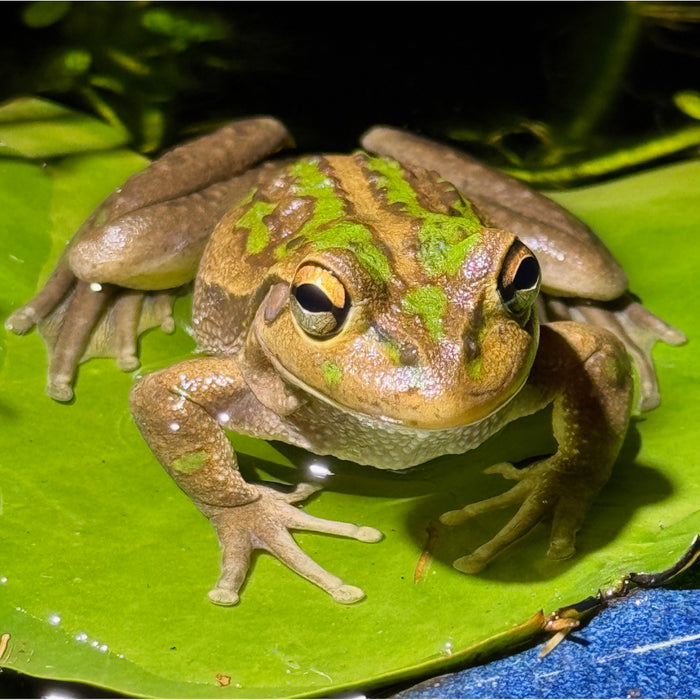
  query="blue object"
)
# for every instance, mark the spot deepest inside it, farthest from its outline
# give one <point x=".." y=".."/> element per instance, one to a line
<point x="645" y="645"/>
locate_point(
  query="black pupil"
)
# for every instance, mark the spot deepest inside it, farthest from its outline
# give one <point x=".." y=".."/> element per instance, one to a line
<point x="313" y="299"/>
<point x="527" y="274"/>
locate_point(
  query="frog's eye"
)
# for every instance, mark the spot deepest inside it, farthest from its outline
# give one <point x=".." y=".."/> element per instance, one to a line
<point x="318" y="301"/>
<point x="519" y="281"/>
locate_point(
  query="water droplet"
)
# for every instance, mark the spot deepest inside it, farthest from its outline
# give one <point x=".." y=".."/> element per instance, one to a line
<point x="174" y="427"/>
<point x="104" y="648"/>
<point x="223" y="417"/>
<point x="81" y="637"/>
<point x="320" y="470"/>
<point x="447" y="649"/>
<point x="3" y="580"/>
<point x="94" y="643"/>
<point x="95" y="287"/>
<point x="54" y="619"/>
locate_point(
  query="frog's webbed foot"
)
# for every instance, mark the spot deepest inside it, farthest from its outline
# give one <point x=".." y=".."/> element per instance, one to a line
<point x="634" y="325"/>
<point x="78" y="320"/>
<point x="265" y="524"/>
<point x="543" y="491"/>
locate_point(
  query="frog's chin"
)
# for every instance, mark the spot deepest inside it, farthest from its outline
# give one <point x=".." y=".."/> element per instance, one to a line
<point x="291" y="378"/>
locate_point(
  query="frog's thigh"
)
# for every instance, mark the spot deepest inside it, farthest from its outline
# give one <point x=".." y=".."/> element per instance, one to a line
<point x="158" y="246"/>
<point x="150" y="233"/>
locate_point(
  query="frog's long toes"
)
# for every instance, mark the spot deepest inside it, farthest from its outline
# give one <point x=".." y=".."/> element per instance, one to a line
<point x="368" y="534"/>
<point x="301" y="492"/>
<point x="506" y="470"/>
<point x="22" y="320"/>
<point x="128" y="362"/>
<point x="453" y="517"/>
<point x="59" y="389"/>
<point x="347" y="594"/>
<point x="223" y="596"/>
<point x="561" y="550"/>
<point x="469" y="564"/>
<point x="163" y="308"/>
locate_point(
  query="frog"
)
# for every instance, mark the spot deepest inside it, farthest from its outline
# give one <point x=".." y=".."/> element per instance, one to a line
<point x="387" y="307"/>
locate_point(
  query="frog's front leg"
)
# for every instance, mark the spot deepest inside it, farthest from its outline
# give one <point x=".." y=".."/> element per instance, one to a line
<point x="181" y="412"/>
<point x="585" y="372"/>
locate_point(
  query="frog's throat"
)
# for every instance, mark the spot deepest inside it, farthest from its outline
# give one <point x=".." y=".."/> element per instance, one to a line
<point x="298" y="383"/>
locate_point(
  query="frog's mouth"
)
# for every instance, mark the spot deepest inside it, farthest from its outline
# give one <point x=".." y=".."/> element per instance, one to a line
<point x="503" y="395"/>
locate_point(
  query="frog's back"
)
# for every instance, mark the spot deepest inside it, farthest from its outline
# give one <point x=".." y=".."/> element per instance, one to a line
<point x="236" y="261"/>
<point x="311" y="203"/>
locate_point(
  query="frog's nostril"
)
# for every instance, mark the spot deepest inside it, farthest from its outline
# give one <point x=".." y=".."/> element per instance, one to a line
<point x="470" y="347"/>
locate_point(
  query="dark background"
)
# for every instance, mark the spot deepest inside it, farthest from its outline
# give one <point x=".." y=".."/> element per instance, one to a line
<point x="534" y="85"/>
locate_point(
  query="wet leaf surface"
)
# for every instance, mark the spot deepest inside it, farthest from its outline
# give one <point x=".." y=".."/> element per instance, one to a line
<point x="105" y="564"/>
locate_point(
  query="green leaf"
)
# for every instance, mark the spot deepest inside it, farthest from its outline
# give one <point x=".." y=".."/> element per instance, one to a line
<point x="105" y="564"/>
<point x="34" y="128"/>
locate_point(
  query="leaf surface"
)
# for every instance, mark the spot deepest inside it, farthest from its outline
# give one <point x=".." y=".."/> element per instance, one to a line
<point x="105" y="564"/>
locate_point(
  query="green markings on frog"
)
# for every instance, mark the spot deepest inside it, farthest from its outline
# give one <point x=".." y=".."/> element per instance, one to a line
<point x="332" y="373"/>
<point x="190" y="463"/>
<point x="254" y="221"/>
<point x="429" y="303"/>
<point x="392" y="350"/>
<point x="475" y="367"/>
<point x="328" y="229"/>
<point x="311" y="181"/>
<point x="444" y="240"/>
<point x="358" y="238"/>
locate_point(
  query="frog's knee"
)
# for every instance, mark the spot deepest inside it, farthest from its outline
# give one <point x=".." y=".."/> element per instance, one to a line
<point x="147" y="395"/>
<point x="97" y="259"/>
<point x="127" y="253"/>
<point x="608" y="361"/>
<point x="596" y="348"/>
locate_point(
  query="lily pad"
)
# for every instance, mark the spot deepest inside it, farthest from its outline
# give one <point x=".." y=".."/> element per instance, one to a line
<point x="105" y="564"/>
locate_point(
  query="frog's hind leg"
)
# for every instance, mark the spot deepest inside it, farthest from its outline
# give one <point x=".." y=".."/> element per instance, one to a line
<point x="82" y="315"/>
<point x="94" y="320"/>
<point x="141" y="247"/>
<point x="45" y="301"/>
